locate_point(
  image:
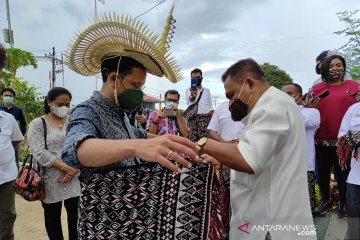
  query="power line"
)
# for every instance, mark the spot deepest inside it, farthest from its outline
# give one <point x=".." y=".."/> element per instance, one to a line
<point x="147" y="10"/>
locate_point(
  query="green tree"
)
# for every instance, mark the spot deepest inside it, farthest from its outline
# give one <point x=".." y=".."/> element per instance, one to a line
<point x="351" y="50"/>
<point x="17" y="58"/>
<point x="275" y="75"/>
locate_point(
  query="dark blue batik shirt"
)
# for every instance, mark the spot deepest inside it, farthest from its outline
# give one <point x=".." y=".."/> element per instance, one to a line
<point x="97" y="118"/>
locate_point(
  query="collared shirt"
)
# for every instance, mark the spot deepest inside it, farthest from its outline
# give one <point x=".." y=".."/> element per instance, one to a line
<point x="312" y="122"/>
<point x="97" y="118"/>
<point x="9" y="132"/>
<point x="222" y="123"/>
<point x="205" y="103"/>
<point x="18" y="115"/>
<point x="273" y="143"/>
<point x="351" y="121"/>
<point x="168" y="125"/>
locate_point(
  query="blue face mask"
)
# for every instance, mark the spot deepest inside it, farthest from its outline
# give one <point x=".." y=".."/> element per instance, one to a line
<point x="171" y="105"/>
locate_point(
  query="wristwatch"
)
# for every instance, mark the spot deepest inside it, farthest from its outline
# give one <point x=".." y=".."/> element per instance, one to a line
<point x="202" y="142"/>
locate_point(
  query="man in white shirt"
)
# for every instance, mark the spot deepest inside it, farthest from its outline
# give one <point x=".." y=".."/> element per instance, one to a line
<point x="269" y="195"/>
<point x="312" y="122"/>
<point x="10" y="136"/>
<point x="221" y="127"/>
<point x="351" y="122"/>
<point x="199" y="123"/>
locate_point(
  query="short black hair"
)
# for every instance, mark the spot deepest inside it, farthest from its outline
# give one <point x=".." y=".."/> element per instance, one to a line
<point x="52" y="95"/>
<point x="243" y="67"/>
<point x="326" y="64"/>
<point x="196" y="70"/>
<point x="7" y="89"/>
<point x="109" y="64"/>
<point x="297" y="87"/>
<point x="2" y="57"/>
<point x="173" y="92"/>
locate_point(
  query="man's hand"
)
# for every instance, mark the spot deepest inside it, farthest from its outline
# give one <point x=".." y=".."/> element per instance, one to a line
<point x="313" y="102"/>
<point x="209" y="159"/>
<point x="193" y="95"/>
<point x="159" y="116"/>
<point x="162" y="149"/>
<point x="141" y="118"/>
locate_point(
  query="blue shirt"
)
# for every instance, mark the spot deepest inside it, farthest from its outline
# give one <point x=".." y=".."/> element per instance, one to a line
<point x="97" y="118"/>
<point x="18" y="115"/>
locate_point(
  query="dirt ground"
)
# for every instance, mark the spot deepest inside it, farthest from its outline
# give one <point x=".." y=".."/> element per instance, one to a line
<point x="29" y="224"/>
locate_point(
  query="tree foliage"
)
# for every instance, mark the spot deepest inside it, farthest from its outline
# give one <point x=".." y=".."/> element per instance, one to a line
<point x="351" y="50"/>
<point x="276" y="77"/>
<point x="17" y="58"/>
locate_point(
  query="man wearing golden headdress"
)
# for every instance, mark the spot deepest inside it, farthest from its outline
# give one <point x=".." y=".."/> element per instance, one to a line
<point x="100" y="140"/>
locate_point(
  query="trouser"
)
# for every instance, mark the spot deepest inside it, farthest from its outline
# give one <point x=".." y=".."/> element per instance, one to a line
<point x="7" y="210"/>
<point x="353" y="211"/>
<point x="327" y="158"/>
<point x="52" y="214"/>
<point x="311" y="187"/>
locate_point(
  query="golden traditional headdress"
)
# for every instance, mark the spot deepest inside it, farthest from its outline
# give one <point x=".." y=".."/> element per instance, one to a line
<point x="121" y="36"/>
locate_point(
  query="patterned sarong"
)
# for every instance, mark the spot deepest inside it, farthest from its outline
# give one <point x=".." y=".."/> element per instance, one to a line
<point x="198" y="126"/>
<point x="148" y="201"/>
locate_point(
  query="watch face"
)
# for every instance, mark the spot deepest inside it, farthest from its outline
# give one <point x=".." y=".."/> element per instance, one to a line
<point x="202" y="141"/>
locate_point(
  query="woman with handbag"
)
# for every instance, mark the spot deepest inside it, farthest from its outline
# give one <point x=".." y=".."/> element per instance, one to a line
<point x="46" y="138"/>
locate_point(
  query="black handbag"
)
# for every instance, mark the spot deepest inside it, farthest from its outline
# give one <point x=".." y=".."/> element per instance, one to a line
<point x="192" y="110"/>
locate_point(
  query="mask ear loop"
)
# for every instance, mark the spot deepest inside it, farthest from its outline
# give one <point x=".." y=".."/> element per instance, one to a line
<point x="115" y="90"/>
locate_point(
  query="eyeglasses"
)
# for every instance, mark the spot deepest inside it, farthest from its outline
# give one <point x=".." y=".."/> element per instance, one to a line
<point x="171" y="100"/>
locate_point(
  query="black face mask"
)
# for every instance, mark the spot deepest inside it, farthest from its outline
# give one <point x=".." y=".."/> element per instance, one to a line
<point x="318" y="68"/>
<point x="238" y="110"/>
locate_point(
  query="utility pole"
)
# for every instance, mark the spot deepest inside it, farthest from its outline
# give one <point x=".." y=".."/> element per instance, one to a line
<point x="8" y="32"/>
<point x="53" y="77"/>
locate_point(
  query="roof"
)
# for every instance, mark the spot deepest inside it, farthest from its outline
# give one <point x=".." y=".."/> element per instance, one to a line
<point x="151" y="99"/>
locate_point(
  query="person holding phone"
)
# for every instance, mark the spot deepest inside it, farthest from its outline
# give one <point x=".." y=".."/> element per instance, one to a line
<point x="198" y="125"/>
<point x="168" y="120"/>
<point x="332" y="106"/>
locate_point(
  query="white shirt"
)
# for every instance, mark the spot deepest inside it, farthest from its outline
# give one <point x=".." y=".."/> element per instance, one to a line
<point x="222" y="123"/>
<point x="351" y="121"/>
<point x="205" y="103"/>
<point x="273" y="143"/>
<point x="9" y="132"/>
<point x="312" y="122"/>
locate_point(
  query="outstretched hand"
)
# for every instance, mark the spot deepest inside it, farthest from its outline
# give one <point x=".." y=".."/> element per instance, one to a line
<point x="164" y="148"/>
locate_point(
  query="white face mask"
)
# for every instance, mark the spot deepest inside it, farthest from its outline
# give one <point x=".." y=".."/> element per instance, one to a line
<point x="61" y="112"/>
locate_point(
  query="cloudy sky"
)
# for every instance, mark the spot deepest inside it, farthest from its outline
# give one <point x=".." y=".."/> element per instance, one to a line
<point x="209" y="34"/>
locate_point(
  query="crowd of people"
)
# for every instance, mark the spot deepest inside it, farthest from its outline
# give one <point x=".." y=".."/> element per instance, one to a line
<point x="271" y="146"/>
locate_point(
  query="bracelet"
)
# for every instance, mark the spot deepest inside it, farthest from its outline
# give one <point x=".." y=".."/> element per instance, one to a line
<point x="155" y="123"/>
<point x="62" y="166"/>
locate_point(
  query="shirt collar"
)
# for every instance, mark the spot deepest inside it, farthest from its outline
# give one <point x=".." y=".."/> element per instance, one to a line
<point x="102" y="101"/>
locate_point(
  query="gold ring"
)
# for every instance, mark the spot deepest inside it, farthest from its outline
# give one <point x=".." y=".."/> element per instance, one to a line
<point x="168" y="155"/>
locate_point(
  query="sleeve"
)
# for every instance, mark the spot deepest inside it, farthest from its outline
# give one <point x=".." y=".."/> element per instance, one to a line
<point x="37" y="144"/>
<point x="214" y="124"/>
<point x="16" y="134"/>
<point x="345" y="123"/>
<point x="139" y="133"/>
<point x="22" y="122"/>
<point x="209" y="100"/>
<point x="150" y="120"/>
<point x="267" y="134"/>
<point x="188" y="103"/>
<point x="82" y="125"/>
<point x="312" y="118"/>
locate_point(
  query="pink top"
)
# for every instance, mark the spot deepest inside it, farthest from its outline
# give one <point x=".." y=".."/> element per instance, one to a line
<point x="333" y="107"/>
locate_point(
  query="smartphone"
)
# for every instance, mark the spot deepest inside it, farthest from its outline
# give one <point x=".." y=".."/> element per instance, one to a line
<point x="324" y="94"/>
<point x="169" y="112"/>
<point x="193" y="85"/>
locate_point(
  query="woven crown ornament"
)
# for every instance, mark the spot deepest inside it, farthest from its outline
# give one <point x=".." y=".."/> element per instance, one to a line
<point x="112" y="35"/>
